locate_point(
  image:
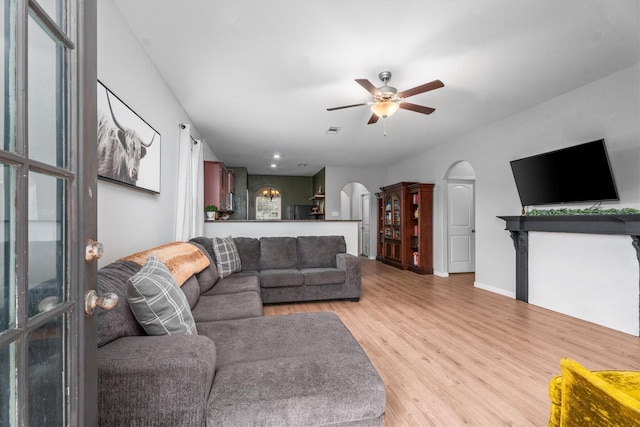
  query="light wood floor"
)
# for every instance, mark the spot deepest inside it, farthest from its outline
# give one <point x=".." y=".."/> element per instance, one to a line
<point x="454" y="355"/>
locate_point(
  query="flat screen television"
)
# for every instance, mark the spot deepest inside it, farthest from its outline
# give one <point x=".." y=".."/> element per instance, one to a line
<point x="581" y="173"/>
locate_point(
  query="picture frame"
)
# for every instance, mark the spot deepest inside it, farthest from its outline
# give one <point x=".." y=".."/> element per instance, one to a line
<point x="128" y="146"/>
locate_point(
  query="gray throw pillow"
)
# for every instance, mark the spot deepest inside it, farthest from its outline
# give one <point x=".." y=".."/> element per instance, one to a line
<point x="157" y="301"/>
<point x="227" y="258"/>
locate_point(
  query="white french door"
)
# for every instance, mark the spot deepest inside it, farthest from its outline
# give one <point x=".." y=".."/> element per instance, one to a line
<point x="48" y="209"/>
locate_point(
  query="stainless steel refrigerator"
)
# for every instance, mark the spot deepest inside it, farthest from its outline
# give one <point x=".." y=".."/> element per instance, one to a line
<point x="300" y="212"/>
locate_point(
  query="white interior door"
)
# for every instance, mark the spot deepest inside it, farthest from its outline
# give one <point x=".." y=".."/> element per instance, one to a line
<point x="461" y="226"/>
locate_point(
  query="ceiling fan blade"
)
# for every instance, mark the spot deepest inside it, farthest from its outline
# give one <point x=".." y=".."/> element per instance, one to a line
<point x="346" y="106"/>
<point x="373" y="119"/>
<point x="421" y="89"/>
<point x="417" y="108"/>
<point x="368" y="86"/>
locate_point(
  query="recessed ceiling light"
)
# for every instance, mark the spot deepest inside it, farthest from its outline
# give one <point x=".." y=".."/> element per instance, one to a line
<point x="276" y="156"/>
<point x="302" y="165"/>
<point x="273" y="165"/>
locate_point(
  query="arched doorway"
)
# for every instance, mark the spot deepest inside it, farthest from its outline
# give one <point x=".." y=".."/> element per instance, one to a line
<point x="460" y="244"/>
<point x="355" y="202"/>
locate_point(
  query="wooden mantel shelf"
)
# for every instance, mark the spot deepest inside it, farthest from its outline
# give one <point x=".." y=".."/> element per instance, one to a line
<point x="520" y="226"/>
<point x="591" y="224"/>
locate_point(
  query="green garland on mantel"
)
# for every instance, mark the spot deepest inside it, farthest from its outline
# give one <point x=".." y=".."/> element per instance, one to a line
<point x="587" y="211"/>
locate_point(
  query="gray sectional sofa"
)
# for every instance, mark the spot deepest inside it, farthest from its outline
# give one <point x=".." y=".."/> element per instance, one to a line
<point x="294" y="269"/>
<point x="240" y="369"/>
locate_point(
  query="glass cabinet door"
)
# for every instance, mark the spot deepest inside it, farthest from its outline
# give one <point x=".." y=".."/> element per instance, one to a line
<point x="396" y="208"/>
<point x="388" y="203"/>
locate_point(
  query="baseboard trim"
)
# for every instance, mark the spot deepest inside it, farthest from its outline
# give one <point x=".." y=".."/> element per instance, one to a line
<point x="495" y="290"/>
<point x="440" y="273"/>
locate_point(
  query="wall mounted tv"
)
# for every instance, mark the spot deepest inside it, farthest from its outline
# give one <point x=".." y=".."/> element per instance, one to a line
<point x="581" y="173"/>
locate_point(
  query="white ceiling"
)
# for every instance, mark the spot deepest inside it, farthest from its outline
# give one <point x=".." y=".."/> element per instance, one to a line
<point x="256" y="76"/>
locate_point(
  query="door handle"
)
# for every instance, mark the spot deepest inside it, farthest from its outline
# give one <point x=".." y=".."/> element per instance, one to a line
<point x="92" y="300"/>
<point x="93" y="250"/>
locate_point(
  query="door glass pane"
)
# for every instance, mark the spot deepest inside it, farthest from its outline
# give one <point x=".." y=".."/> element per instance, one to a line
<point x="7" y="74"/>
<point x="46" y="96"/>
<point x="54" y="10"/>
<point x="7" y="249"/>
<point x="46" y="242"/>
<point x="46" y="374"/>
<point x="7" y="386"/>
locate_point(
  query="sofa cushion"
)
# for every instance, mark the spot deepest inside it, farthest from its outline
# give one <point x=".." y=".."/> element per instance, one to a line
<point x="237" y="282"/>
<point x="278" y="252"/>
<point x="281" y="278"/>
<point x="206" y="243"/>
<point x="227" y="258"/>
<point x="157" y="301"/>
<point x="240" y="305"/>
<point x="209" y="276"/>
<point x="249" y="251"/>
<point x="319" y="251"/>
<point x="191" y="290"/>
<point x="323" y="276"/>
<point x="119" y="321"/>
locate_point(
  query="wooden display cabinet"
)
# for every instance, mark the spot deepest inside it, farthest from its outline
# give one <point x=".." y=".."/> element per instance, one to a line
<point x="394" y="226"/>
<point x="405" y="226"/>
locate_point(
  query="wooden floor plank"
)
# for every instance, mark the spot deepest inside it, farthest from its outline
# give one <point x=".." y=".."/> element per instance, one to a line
<point x="451" y="354"/>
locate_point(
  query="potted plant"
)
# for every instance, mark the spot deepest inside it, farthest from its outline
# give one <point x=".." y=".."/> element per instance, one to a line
<point x="210" y="211"/>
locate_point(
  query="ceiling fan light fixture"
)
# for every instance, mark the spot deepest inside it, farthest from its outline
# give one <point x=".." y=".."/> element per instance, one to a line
<point x="385" y="109"/>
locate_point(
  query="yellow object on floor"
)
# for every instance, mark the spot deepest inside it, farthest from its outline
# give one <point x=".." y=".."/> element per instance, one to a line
<point x="584" y="398"/>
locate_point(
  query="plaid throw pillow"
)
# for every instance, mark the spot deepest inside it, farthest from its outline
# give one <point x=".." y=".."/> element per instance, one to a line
<point x="157" y="301"/>
<point x="227" y="258"/>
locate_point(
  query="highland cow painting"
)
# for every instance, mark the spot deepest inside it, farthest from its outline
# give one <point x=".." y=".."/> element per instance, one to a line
<point x="128" y="147"/>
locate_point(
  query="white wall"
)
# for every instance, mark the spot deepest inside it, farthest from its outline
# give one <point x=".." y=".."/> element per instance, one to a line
<point x="607" y="108"/>
<point x="130" y="220"/>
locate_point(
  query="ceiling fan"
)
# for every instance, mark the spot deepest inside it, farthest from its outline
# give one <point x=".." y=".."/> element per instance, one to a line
<point x="387" y="100"/>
